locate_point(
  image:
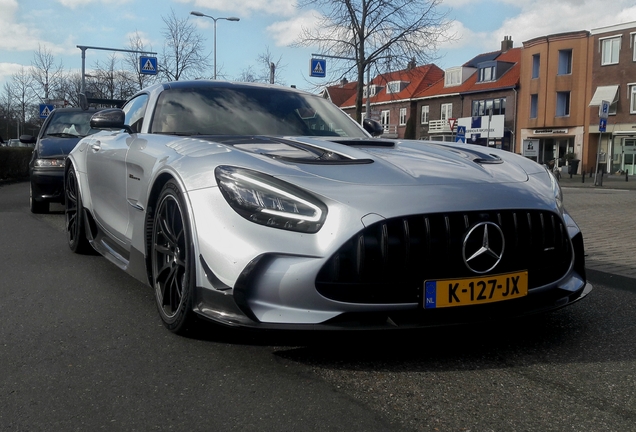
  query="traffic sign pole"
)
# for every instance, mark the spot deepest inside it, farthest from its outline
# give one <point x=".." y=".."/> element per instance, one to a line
<point x="603" y="112"/>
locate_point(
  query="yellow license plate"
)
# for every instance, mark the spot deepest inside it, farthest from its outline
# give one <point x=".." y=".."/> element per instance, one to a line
<point x="469" y="291"/>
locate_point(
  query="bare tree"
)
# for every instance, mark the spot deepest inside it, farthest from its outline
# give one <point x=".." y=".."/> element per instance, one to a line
<point x="71" y="87"/>
<point x="131" y="62"/>
<point x="183" y="50"/>
<point x="7" y="111"/>
<point x="248" y="75"/>
<point x="46" y="74"/>
<point x="102" y="79"/>
<point x="386" y="34"/>
<point x="270" y="67"/>
<point x="21" y="90"/>
<point x="107" y="81"/>
<point x="267" y="66"/>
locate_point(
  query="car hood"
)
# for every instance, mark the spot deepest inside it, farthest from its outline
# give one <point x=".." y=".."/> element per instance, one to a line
<point x="387" y="162"/>
<point x="56" y="147"/>
<point x="447" y="177"/>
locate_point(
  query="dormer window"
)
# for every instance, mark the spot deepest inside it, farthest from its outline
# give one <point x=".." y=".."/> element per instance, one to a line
<point x="396" y="86"/>
<point x="486" y="73"/>
<point x="453" y="77"/>
<point x="373" y="89"/>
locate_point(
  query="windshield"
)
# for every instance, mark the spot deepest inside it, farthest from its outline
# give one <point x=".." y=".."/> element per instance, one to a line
<point x="249" y="111"/>
<point x="70" y="124"/>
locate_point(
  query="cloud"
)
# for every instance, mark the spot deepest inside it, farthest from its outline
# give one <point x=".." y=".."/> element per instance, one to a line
<point x="8" y="69"/>
<point x="528" y="19"/>
<point x="73" y="4"/>
<point x="545" y="17"/>
<point x="287" y="32"/>
<point x="15" y="36"/>
<point x="244" y="8"/>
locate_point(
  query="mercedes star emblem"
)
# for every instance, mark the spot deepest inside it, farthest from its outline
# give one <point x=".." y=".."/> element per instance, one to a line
<point x="483" y="247"/>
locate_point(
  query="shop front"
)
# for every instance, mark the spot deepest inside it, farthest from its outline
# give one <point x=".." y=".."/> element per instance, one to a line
<point x="624" y="154"/>
<point x="557" y="146"/>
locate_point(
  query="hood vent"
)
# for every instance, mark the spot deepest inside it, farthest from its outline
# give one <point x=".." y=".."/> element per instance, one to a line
<point x="293" y="151"/>
<point x="476" y="156"/>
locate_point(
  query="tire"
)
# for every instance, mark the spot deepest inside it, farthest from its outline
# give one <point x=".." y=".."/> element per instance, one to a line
<point x="172" y="260"/>
<point x="74" y="212"/>
<point x="37" y="206"/>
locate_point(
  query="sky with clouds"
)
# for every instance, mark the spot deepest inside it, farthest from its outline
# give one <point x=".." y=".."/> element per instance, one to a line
<point x="61" y="25"/>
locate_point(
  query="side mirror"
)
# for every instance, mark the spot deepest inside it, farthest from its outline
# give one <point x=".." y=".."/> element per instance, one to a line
<point x="27" y="139"/>
<point x="374" y="127"/>
<point x="112" y="118"/>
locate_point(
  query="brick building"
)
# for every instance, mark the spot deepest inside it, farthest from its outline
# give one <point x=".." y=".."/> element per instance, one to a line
<point x="612" y="51"/>
<point x="553" y="96"/>
<point x="483" y="89"/>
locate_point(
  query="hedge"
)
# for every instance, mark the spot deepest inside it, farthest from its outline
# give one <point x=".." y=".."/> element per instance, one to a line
<point x="14" y="162"/>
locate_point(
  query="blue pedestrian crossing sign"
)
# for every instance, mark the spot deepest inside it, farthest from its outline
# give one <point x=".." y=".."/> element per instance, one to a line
<point x="461" y="134"/>
<point x="318" y="68"/>
<point x="45" y="110"/>
<point x="148" y="65"/>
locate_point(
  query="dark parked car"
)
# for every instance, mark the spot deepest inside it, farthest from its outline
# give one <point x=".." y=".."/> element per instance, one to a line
<point x="61" y="131"/>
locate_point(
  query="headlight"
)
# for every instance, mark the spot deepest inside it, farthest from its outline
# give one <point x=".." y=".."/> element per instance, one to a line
<point x="556" y="190"/>
<point x="268" y="201"/>
<point x="49" y="163"/>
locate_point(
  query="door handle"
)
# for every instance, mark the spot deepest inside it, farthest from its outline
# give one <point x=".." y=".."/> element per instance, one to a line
<point x="96" y="146"/>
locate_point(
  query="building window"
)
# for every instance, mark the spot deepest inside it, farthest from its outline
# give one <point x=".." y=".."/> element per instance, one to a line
<point x="534" y="106"/>
<point x="396" y="86"/>
<point x="402" y="116"/>
<point x="385" y="119"/>
<point x="634" y="46"/>
<point x="565" y="62"/>
<point x="453" y="77"/>
<point x="374" y="89"/>
<point x="632" y="99"/>
<point x="609" y="50"/>
<point x="486" y="74"/>
<point x="536" y="62"/>
<point x="486" y="106"/>
<point x="425" y="111"/>
<point x="563" y="104"/>
<point x="447" y="111"/>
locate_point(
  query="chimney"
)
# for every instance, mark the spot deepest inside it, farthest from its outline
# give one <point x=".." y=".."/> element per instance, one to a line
<point x="343" y="81"/>
<point x="506" y="44"/>
<point x="412" y="64"/>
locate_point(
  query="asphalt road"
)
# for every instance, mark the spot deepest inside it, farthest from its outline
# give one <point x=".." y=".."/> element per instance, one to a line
<point x="82" y="348"/>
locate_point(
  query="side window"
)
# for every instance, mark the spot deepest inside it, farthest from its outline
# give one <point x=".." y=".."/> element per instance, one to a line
<point x="135" y="110"/>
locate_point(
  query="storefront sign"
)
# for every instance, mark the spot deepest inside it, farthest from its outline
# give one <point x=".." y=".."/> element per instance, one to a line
<point x="549" y="131"/>
<point x="483" y="127"/>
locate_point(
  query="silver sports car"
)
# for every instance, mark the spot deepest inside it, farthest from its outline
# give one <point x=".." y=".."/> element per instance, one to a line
<point x="268" y="207"/>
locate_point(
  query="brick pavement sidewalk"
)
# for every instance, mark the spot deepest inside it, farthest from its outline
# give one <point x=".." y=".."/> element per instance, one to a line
<point x="610" y="181"/>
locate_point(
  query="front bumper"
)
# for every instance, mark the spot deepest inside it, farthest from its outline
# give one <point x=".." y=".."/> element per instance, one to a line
<point x="47" y="184"/>
<point x="228" y="313"/>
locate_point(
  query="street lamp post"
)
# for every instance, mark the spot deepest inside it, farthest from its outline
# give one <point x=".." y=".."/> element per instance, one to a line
<point x="199" y="14"/>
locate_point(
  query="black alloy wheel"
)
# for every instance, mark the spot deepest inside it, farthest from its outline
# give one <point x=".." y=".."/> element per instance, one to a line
<point x="172" y="260"/>
<point x="74" y="212"/>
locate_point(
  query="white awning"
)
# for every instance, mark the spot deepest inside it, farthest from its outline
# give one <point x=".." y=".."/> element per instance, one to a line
<point x="607" y="93"/>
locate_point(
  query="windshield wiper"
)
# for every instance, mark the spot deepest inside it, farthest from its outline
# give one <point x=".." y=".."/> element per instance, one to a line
<point x="179" y="133"/>
<point x="63" y="135"/>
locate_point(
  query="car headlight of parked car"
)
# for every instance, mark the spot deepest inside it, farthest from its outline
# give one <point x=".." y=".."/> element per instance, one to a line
<point x="268" y="201"/>
<point x="49" y="163"/>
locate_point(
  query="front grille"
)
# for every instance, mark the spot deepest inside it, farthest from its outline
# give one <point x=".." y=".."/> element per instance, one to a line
<point x="388" y="262"/>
